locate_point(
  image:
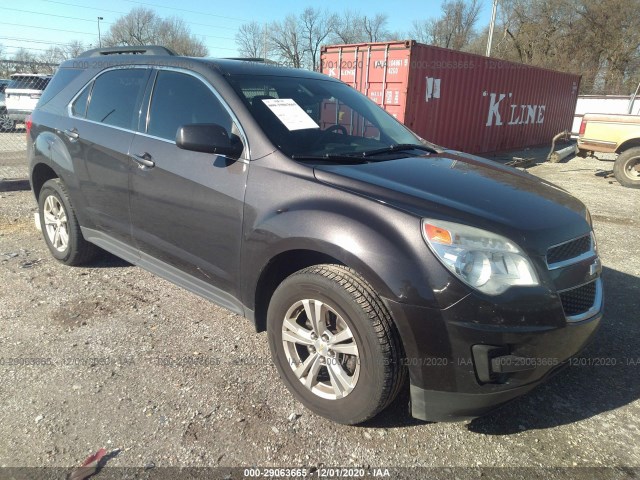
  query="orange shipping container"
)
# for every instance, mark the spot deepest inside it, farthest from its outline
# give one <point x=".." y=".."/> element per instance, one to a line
<point x="458" y="100"/>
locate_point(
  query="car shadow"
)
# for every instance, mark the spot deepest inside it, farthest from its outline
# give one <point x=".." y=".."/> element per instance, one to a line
<point x="605" y="376"/>
<point x="107" y="260"/>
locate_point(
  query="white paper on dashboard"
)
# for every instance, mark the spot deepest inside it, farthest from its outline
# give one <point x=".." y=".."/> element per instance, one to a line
<point x="289" y="113"/>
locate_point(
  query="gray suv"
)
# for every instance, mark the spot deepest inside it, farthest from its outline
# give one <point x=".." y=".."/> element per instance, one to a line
<point x="375" y="261"/>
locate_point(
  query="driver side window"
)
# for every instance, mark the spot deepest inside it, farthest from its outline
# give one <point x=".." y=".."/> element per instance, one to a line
<point x="180" y="99"/>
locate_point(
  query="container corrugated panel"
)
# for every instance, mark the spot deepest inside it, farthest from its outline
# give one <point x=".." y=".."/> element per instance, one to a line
<point x="458" y="100"/>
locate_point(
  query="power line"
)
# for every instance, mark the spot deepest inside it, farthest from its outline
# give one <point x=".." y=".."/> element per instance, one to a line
<point x="121" y="13"/>
<point x="21" y="47"/>
<point x="93" y="20"/>
<point x="46" y="28"/>
<point x="189" y="11"/>
<point x="28" y="40"/>
<point x="93" y="34"/>
<point x="84" y="6"/>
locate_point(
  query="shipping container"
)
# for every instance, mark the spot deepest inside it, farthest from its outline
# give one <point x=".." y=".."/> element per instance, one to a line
<point x="458" y="100"/>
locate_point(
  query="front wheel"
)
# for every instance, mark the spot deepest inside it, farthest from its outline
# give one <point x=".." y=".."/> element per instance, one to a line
<point x="334" y="343"/>
<point x="627" y="168"/>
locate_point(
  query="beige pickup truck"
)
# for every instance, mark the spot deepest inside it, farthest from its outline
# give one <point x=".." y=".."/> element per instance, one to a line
<point x="614" y="134"/>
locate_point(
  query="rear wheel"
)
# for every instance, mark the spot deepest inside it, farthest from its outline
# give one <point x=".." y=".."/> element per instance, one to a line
<point x="335" y="344"/>
<point x="60" y="226"/>
<point x="6" y="124"/>
<point x="627" y="168"/>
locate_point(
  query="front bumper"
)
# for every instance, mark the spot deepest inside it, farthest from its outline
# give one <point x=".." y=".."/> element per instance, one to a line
<point x="473" y="357"/>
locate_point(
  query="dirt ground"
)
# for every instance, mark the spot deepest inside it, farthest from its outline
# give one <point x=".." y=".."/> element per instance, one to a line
<point x="112" y="356"/>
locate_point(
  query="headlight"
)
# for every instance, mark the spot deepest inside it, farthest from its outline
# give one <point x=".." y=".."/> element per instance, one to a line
<point x="483" y="260"/>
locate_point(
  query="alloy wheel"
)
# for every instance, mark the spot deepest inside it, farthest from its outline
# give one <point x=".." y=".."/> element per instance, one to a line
<point x="321" y="349"/>
<point x="55" y="221"/>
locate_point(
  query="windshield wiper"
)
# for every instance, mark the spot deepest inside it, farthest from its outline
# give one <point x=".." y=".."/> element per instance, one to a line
<point x="398" y="148"/>
<point x="344" y="158"/>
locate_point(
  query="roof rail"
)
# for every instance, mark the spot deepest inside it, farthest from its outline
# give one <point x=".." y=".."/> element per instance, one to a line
<point x="128" y="50"/>
<point x="252" y="59"/>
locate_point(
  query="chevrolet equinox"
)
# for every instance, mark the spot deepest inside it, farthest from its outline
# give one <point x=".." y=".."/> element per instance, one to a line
<point x="375" y="260"/>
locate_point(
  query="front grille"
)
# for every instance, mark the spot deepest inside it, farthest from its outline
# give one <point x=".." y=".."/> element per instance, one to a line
<point x="568" y="250"/>
<point x="578" y="300"/>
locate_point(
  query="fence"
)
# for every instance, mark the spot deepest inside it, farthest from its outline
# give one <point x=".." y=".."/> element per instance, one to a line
<point x="13" y="142"/>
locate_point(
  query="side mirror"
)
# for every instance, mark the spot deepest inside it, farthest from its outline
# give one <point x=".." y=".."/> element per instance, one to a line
<point x="209" y="138"/>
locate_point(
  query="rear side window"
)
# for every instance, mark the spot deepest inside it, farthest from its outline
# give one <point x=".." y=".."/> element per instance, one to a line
<point x="179" y="99"/>
<point x="116" y="97"/>
<point x="60" y="80"/>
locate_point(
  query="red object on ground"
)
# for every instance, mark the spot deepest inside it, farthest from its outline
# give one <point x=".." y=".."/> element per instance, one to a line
<point x="89" y="467"/>
<point x="458" y="100"/>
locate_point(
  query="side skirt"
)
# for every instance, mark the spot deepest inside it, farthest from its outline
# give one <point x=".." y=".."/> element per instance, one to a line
<point x="164" y="270"/>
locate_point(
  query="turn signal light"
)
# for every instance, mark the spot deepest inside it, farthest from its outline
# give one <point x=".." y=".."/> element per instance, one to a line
<point x="437" y="234"/>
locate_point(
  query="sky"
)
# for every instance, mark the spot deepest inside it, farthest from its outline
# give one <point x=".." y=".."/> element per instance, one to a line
<point x="39" y="24"/>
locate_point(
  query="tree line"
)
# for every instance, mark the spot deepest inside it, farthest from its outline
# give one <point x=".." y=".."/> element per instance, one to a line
<point x="598" y="39"/>
<point x="296" y="40"/>
<point x="141" y="26"/>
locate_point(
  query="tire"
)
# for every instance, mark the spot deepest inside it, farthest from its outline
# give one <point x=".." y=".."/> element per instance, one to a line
<point x="627" y="168"/>
<point x="60" y="226"/>
<point x="582" y="153"/>
<point x="6" y="124"/>
<point x="356" y="370"/>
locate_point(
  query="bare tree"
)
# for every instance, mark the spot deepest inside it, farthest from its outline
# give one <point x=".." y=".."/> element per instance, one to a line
<point x="598" y="40"/>
<point x="252" y="42"/>
<point x="612" y="30"/>
<point x="420" y="31"/>
<point x="454" y="29"/>
<point x="26" y="62"/>
<point x="174" y="33"/>
<point x="375" y="28"/>
<point x="142" y="26"/>
<point x="353" y="27"/>
<point x="347" y="29"/>
<point x="287" y="40"/>
<point x="315" y="27"/>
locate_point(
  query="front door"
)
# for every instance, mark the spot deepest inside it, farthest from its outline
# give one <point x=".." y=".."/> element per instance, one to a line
<point x="187" y="207"/>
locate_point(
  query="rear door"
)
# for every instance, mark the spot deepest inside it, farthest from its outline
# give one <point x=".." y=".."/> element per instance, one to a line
<point x="98" y="135"/>
<point x="187" y="207"/>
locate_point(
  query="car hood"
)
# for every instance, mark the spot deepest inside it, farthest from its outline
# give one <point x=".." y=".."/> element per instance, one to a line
<point x="471" y="190"/>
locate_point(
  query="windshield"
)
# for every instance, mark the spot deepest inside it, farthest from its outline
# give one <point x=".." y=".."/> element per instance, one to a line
<point x="311" y="117"/>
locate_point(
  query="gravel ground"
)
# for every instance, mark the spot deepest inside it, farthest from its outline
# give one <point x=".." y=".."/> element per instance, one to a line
<point x="140" y="365"/>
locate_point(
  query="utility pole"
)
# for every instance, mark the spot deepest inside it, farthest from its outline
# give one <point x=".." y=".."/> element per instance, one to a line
<point x="264" y="42"/>
<point x="99" y="37"/>
<point x="491" y="27"/>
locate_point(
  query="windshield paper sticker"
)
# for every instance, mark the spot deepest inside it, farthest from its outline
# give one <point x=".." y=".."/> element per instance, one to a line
<point x="290" y="114"/>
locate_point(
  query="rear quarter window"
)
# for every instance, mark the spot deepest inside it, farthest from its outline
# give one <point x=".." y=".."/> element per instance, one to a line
<point x="57" y="83"/>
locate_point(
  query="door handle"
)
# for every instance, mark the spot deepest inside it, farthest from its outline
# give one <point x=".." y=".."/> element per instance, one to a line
<point x="72" y="134"/>
<point x="144" y="160"/>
